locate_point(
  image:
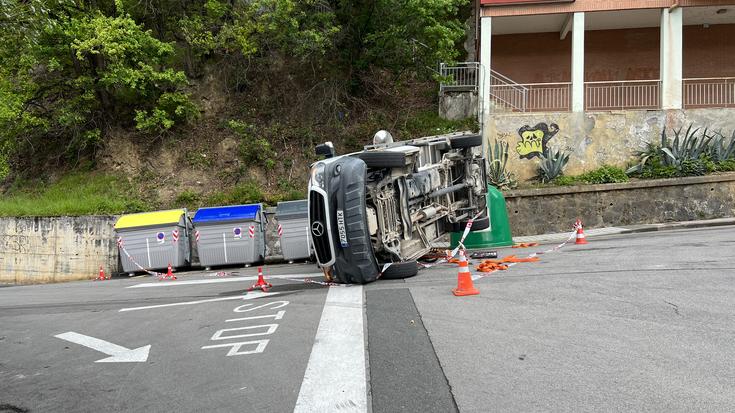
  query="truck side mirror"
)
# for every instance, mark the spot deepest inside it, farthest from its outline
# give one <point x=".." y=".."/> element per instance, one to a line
<point x="326" y="150"/>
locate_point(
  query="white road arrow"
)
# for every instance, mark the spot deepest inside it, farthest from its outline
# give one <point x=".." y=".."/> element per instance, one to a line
<point x="119" y="354"/>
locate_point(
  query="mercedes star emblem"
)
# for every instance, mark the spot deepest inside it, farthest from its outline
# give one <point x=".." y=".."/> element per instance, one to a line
<point x="317" y="228"/>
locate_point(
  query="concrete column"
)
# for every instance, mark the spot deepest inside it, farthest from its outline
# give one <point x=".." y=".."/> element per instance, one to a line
<point x="578" y="62"/>
<point x="485" y="42"/>
<point x="671" y="55"/>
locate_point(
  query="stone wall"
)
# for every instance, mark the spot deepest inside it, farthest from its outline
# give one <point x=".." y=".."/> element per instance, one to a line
<point x="593" y="138"/>
<point x="549" y="210"/>
<point x="36" y="250"/>
<point x="55" y="249"/>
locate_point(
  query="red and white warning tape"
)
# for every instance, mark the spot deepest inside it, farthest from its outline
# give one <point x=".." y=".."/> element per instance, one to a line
<point x="120" y="245"/>
<point x="460" y="245"/>
<point x="556" y="248"/>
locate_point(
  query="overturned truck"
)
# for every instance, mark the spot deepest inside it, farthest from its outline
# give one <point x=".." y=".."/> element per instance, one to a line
<point x="390" y="202"/>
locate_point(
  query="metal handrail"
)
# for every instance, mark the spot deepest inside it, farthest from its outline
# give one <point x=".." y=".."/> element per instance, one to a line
<point x="598" y="82"/>
<point x="708" y="78"/>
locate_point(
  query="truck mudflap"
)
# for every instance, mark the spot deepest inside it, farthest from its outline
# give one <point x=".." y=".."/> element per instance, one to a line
<point x="354" y="259"/>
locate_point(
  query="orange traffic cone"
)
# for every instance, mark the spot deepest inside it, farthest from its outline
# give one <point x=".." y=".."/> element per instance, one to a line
<point x="580" y="233"/>
<point x="101" y="276"/>
<point x="170" y="273"/>
<point x="464" y="278"/>
<point x="261" y="284"/>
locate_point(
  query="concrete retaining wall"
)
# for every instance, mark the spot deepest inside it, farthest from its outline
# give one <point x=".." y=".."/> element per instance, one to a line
<point x="54" y="249"/>
<point x="549" y="210"/>
<point x="37" y="250"/>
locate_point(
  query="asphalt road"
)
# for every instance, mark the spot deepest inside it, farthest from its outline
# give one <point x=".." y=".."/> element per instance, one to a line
<point x="638" y="322"/>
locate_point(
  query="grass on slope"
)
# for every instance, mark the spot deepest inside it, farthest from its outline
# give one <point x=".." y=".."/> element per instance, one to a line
<point x="74" y="194"/>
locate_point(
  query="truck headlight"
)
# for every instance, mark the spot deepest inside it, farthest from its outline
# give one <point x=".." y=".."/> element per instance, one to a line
<point x="317" y="175"/>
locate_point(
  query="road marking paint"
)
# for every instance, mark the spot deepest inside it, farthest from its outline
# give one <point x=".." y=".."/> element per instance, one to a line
<point x="118" y="354"/>
<point x="277" y="316"/>
<point x="235" y="350"/>
<point x="335" y="377"/>
<point x="224" y="280"/>
<point x="249" y="296"/>
<point x="270" y="329"/>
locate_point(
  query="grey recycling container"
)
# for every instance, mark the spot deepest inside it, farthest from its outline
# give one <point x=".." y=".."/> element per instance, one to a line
<point x="293" y="229"/>
<point x="230" y="235"/>
<point x="153" y="240"/>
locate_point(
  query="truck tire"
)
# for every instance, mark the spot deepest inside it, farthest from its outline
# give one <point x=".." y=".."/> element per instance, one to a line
<point x="383" y="159"/>
<point x="477" y="225"/>
<point x="467" y="141"/>
<point x="401" y="270"/>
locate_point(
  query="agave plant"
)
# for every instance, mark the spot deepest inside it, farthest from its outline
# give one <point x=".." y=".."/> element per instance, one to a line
<point x="652" y="150"/>
<point x="720" y="149"/>
<point x="552" y="166"/>
<point x="689" y="147"/>
<point x="497" y="175"/>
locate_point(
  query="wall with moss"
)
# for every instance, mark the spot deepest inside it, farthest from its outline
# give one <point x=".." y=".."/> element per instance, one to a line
<point x="594" y="138"/>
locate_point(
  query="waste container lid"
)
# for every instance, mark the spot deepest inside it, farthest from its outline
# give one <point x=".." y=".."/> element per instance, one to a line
<point x="289" y="208"/>
<point x="172" y="216"/>
<point x="227" y="213"/>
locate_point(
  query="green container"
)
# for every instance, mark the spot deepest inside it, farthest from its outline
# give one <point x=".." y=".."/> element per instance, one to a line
<point x="498" y="235"/>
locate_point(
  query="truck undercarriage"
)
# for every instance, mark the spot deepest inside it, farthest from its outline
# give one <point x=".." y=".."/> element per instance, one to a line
<point x="391" y="202"/>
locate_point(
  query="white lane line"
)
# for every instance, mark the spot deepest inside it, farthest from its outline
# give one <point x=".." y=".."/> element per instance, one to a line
<point x="222" y="280"/>
<point x="335" y="376"/>
<point x="248" y="296"/>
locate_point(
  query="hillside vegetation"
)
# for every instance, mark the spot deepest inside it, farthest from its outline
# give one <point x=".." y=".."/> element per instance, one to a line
<point x="160" y="103"/>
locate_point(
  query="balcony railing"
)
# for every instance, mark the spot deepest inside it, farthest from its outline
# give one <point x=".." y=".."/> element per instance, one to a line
<point x="607" y="95"/>
<point x="627" y="94"/>
<point x="709" y="92"/>
<point x="532" y="97"/>
<point x="463" y="77"/>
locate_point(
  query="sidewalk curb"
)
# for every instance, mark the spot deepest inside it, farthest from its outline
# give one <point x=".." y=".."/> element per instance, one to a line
<point x="678" y="225"/>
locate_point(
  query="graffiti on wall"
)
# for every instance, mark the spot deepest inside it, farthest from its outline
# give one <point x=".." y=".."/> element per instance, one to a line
<point x="534" y="140"/>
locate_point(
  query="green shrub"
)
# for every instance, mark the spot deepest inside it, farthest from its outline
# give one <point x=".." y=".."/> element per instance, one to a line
<point x="253" y="148"/>
<point x="725" y="166"/>
<point x="187" y="199"/>
<point x="606" y="174"/>
<point x="246" y="193"/>
<point x="565" y="180"/>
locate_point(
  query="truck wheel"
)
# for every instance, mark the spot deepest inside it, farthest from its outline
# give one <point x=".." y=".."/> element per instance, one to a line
<point x="383" y="159"/>
<point x="477" y="225"/>
<point x="468" y="141"/>
<point x="401" y="270"/>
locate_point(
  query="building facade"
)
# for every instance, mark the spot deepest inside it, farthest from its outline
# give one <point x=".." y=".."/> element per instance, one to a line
<point x="600" y="78"/>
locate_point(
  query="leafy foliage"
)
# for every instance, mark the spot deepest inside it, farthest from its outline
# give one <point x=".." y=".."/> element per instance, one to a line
<point x="552" y="166"/>
<point x="606" y="174"/>
<point x="71" y="70"/>
<point x="497" y="174"/>
<point x="688" y="154"/>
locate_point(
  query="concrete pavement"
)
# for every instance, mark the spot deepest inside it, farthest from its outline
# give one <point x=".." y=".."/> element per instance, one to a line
<point x="628" y="322"/>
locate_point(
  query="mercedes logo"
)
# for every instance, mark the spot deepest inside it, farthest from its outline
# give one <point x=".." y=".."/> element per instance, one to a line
<point x="317" y="228"/>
